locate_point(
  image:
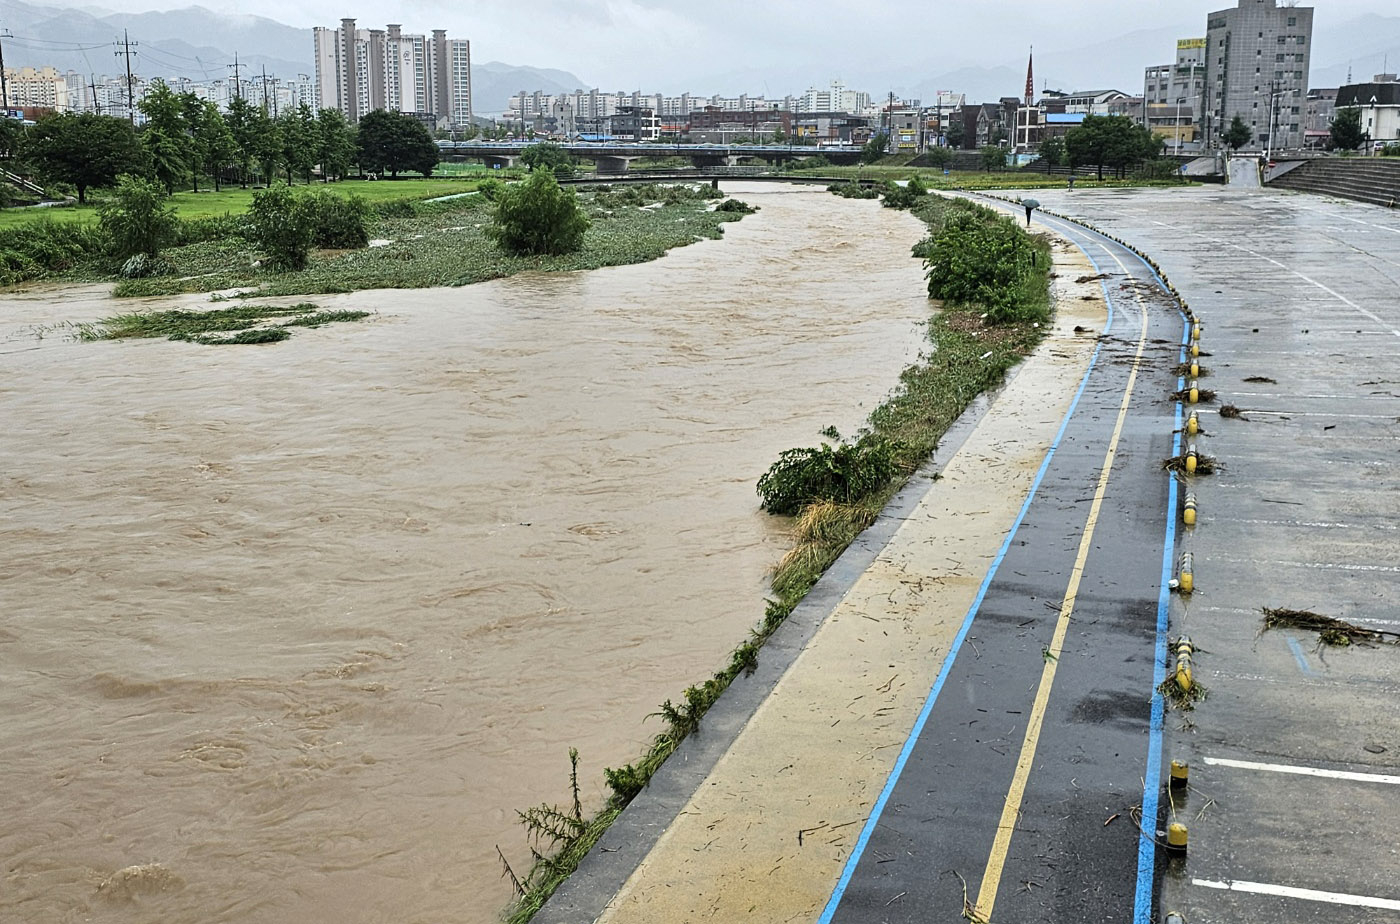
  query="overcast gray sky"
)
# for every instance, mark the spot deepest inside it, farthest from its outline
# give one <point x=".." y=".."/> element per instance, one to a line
<point x="717" y="45"/>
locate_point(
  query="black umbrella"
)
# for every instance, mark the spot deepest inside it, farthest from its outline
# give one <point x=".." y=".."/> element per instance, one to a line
<point x="1031" y="203"/>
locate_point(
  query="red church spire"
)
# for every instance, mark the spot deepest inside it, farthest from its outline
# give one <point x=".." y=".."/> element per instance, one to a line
<point x="1030" y="77"/>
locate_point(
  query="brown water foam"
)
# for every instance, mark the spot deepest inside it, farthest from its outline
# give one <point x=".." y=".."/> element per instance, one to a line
<point x="292" y="631"/>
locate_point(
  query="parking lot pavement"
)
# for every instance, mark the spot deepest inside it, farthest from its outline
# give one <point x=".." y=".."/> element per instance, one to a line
<point x="1295" y="752"/>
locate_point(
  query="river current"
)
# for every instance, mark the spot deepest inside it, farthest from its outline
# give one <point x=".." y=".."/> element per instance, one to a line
<point x="290" y="632"/>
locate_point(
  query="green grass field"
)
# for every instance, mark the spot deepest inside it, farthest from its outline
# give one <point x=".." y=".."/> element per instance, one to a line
<point x="207" y="203"/>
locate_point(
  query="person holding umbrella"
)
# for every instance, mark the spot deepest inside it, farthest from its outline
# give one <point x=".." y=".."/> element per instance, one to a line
<point x="1031" y="205"/>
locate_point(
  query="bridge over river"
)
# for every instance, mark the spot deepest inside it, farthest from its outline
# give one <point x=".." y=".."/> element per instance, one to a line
<point x="613" y="157"/>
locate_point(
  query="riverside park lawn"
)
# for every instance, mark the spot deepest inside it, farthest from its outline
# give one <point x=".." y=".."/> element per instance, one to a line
<point x="234" y="200"/>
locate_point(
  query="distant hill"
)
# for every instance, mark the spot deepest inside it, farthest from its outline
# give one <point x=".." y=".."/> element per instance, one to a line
<point x="494" y="83"/>
<point x="47" y="36"/>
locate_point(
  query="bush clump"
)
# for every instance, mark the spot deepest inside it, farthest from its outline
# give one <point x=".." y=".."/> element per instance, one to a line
<point x="214" y="228"/>
<point x="906" y="196"/>
<point x="338" y="222"/>
<point x="282" y="227"/>
<point x="143" y="266"/>
<point x="853" y="190"/>
<point x="982" y="258"/>
<point x="843" y="474"/>
<point x="137" y="220"/>
<point x="537" y="217"/>
<point x="736" y="206"/>
<point x="46" y="246"/>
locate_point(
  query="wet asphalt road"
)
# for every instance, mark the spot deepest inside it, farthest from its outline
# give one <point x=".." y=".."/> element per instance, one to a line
<point x="1295" y="754"/>
<point x="1068" y="799"/>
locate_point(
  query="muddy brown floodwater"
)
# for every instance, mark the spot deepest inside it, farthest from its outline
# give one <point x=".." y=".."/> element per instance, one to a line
<point x="291" y="631"/>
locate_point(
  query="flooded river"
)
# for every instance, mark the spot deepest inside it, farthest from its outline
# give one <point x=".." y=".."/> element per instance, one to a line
<point x="290" y="631"/>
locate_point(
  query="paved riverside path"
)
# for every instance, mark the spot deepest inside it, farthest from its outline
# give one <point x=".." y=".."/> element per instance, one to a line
<point x="1017" y="800"/>
<point x="1295" y="755"/>
<point x="969" y="582"/>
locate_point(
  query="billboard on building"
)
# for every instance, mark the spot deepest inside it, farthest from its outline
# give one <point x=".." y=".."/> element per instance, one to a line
<point x="1190" y="43"/>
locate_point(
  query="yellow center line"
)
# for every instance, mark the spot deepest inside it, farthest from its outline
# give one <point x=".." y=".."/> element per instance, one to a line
<point x="991" y="879"/>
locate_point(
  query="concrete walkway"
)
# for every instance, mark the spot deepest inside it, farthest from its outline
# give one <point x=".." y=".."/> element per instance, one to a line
<point x="1295" y="755"/>
<point x="764" y="837"/>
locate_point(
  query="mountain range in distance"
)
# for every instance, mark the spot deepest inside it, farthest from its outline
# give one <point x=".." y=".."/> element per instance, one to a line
<point x="83" y="40"/>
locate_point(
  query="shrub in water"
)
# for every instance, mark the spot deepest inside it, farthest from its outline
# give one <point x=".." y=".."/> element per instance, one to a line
<point x="537" y="217"/>
<point x="281" y="227"/>
<point x="735" y="205"/>
<point x="143" y="265"/>
<point x="844" y="474"/>
<point x="338" y="222"/>
<point x="136" y="219"/>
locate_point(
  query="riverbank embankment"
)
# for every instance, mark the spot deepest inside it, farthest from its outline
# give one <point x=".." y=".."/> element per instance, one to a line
<point x="753" y="818"/>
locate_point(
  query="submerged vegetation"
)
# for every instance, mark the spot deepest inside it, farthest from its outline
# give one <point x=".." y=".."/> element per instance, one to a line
<point x="835" y="492"/>
<point x="246" y="324"/>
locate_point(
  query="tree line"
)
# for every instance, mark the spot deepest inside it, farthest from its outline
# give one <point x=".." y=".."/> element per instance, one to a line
<point x="185" y="138"/>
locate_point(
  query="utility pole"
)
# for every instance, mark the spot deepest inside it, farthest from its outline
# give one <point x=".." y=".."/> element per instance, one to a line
<point x="264" y="85"/>
<point x="126" y="44"/>
<point x="4" y="83"/>
<point x="92" y="85"/>
<point x="237" y="81"/>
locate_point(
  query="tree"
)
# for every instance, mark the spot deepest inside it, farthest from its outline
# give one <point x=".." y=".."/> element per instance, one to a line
<point x="1052" y="151"/>
<point x="299" y="136"/>
<point x="267" y="144"/>
<point x="136" y="218"/>
<point x="215" y="142"/>
<point x="1346" y="129"/>
<point x="875" y="148"/>
<point x="536" y="216"/>
<point x="86" y="150"/>
<point x="1237" y="135"/>
<point x="165" y="136"/>
<point x="955" y="134"/>
<point x="10" y="132"/>
<point x="546" y="154"/>
<point x="939" y="157"/>
<point x="993" y="158"/>
<point x="336" y="141"/>
<point x="241" y="117"/>
<point x="1109" y="141"/>
<point x="392" y="141"/>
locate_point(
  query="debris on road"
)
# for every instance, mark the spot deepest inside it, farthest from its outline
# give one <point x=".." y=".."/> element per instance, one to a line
<point x="1205" y="465"/>
<point x="1331" y="631"/>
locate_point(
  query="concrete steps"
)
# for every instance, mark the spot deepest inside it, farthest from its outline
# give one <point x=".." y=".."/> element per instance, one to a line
<point x="1373" y="180"/>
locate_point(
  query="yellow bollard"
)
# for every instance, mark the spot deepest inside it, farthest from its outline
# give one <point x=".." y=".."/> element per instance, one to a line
<point x="1195" y="369"/>
<point x="1196" y="331"/>
<point x="1193" y="424"/>
<point x="1188" y="512"/>
<point x="1176" y="837"/>
<point x="1195" y="349"/>
<point x="1191" y="457"/>
<point x="1194" y="395"/>
<point x="1186" y="578"/>
<point x="1180" y="774"/>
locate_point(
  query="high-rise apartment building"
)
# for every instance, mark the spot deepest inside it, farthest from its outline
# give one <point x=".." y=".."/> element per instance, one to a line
<point x="1256" y="62"/>
<point x="361" y="70"/>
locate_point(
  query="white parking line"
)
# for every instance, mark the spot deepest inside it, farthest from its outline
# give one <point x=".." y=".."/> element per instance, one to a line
<point x="1312" y="895"/>
<point x="1306" y="771"/>
<point x="1323" y="565"/>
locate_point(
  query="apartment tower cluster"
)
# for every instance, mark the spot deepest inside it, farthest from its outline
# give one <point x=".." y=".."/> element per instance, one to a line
<point x="361" y="70"/>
